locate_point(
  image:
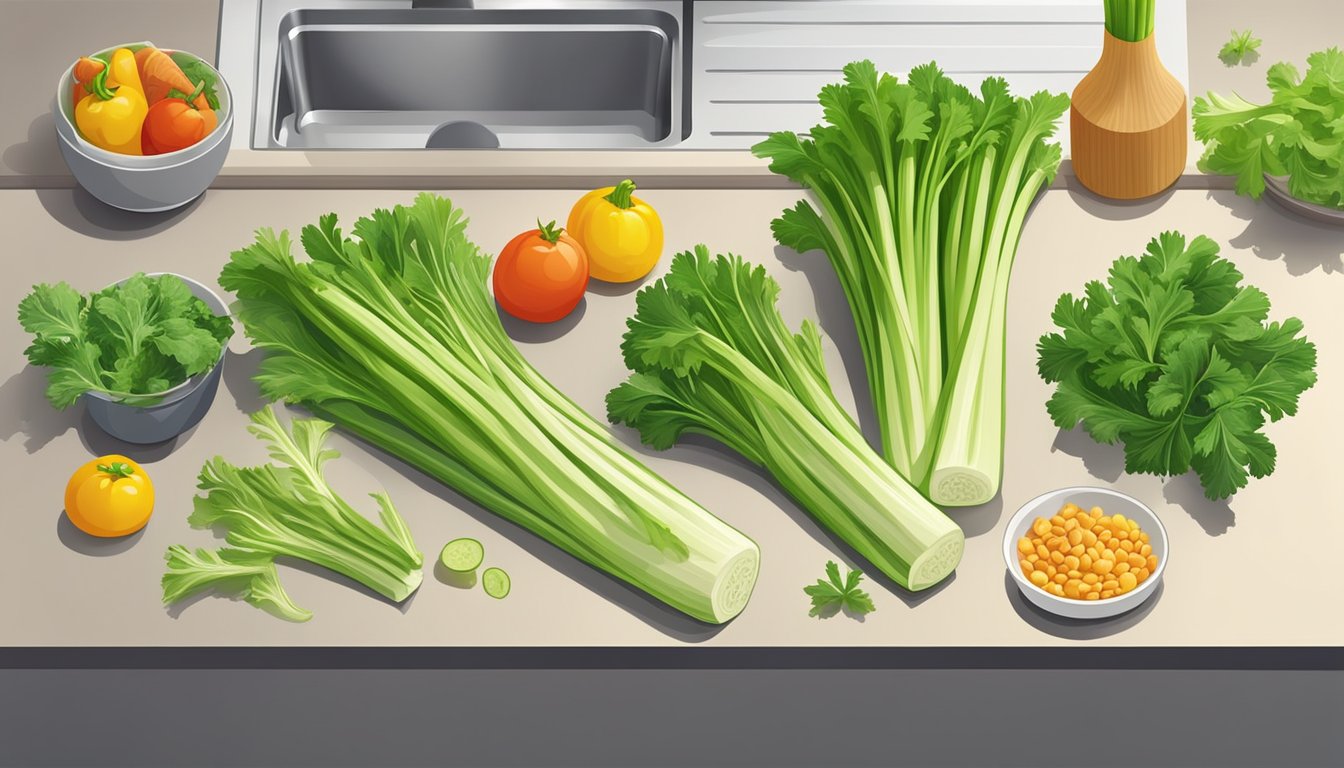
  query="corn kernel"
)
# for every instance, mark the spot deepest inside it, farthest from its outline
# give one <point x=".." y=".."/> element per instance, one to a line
<point x="1086" y="555"/>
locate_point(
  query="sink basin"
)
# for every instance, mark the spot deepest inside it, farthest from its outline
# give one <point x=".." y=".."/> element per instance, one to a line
<point x="387" y="78"/>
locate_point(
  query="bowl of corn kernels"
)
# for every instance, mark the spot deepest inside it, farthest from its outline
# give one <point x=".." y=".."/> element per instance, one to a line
<point x="1085" y="553"/>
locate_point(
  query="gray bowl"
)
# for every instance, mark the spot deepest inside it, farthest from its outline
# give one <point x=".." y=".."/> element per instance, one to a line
<point x="1276" y="189"/>
<point x="142" y="184"/>
<point x="177" y="409"/>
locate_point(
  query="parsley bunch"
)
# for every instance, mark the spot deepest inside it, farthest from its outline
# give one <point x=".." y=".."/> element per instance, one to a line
<point x="1175" y="359"/>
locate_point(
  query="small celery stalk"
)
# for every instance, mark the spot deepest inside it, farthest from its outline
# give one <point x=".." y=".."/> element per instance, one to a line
<point x="289" y="510"/>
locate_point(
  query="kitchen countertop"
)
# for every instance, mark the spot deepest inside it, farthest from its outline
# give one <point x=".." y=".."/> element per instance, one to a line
<point x="62" y="590"/>
<point x="29" y="157"/>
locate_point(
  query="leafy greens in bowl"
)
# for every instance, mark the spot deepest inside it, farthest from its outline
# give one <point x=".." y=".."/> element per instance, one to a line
<point x="1299" y="134"/>
<point x="133" y="342"/>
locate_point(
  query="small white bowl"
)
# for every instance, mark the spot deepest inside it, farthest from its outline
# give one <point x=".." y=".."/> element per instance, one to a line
<point x="1049" y="504"/>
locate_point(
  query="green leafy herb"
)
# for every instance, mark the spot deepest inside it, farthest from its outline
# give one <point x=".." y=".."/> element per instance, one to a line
<point x="1175" y="359"/>
<point x="1298" y="134"/>
<point x="249" y="575"/>
<point x="393" y="334"/>
<point x="712" y="355"/>
<point x="1241" y="45"/>
<point x="140" y="338"/>
<point x="920" y="191"/>
<point x="831" y="594"/>
<point x="289" y="510"/>
<point x="197" y="72"/>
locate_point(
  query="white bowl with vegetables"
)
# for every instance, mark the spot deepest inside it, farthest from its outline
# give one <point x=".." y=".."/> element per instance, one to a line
<point x="179" y="144"/>
<point x="1120" y="564"/>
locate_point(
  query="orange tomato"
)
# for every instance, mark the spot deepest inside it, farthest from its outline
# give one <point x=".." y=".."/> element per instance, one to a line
<point x="109" y="496"/>
<point x="173" y="124"/>
<point x="541" y="274"/>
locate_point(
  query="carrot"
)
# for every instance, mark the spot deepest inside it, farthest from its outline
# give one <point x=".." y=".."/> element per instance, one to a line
<point x="159" y="74"/>
<point x="84" y="72"/>
<point x="86" y="69"/>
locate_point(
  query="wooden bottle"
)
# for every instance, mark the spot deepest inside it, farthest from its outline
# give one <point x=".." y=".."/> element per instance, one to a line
<point x="1128" y="122"/>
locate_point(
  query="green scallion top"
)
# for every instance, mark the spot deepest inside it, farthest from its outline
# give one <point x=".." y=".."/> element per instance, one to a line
<point x="1130" y="20"/>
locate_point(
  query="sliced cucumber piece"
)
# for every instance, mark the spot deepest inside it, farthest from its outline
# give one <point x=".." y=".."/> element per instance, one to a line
<point x="462" y="555"/>
<point x="496" y="583"/>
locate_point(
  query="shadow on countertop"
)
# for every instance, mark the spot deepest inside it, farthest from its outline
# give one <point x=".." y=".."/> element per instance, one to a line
<point x="24" y="409"/>
<point x="1117" y="210"/>
<point x="1076" y="629"/>
<point x="1275" y="234"/>
<point x="38" y="154"/>
<point x="526" y="332"/>
<point x="1215" y="517"/>
<point x="1102" y="461"/>
<point x="85" y="544"/>
<point x="81" y="212"/>
<point x="239" y="370"/>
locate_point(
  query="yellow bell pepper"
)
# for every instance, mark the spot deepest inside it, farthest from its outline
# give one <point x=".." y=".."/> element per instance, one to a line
<point x="113" y="113"/>
<point x="621" y="234"/>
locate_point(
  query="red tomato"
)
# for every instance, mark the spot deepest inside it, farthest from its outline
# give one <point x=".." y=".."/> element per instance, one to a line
<point x="173" y="124"/>
<point x="541" y="274"/>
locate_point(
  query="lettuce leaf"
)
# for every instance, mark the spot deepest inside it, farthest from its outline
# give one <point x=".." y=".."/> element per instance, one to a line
<point x="142" y="337"/>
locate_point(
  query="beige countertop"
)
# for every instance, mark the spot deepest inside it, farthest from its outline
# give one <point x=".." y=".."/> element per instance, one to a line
<point x="38" y="39"/>
<point x="1272" y="542"/>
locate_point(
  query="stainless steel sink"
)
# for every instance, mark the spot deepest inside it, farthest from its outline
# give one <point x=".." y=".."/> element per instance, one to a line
<point x="616" y="74"/>
<point x="560" y="78"/>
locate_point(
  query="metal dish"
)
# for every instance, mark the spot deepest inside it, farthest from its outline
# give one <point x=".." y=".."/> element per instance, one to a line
<point x="1276" y="189"/>
<point x="177" y="409"/>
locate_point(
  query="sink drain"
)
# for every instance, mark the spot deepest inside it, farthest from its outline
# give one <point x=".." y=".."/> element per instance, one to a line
<point x="462" y="134"/>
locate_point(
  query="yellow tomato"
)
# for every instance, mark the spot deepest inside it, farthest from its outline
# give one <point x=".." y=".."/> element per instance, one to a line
<point x="621" y="234"/>
<point x="109" y="496"/>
